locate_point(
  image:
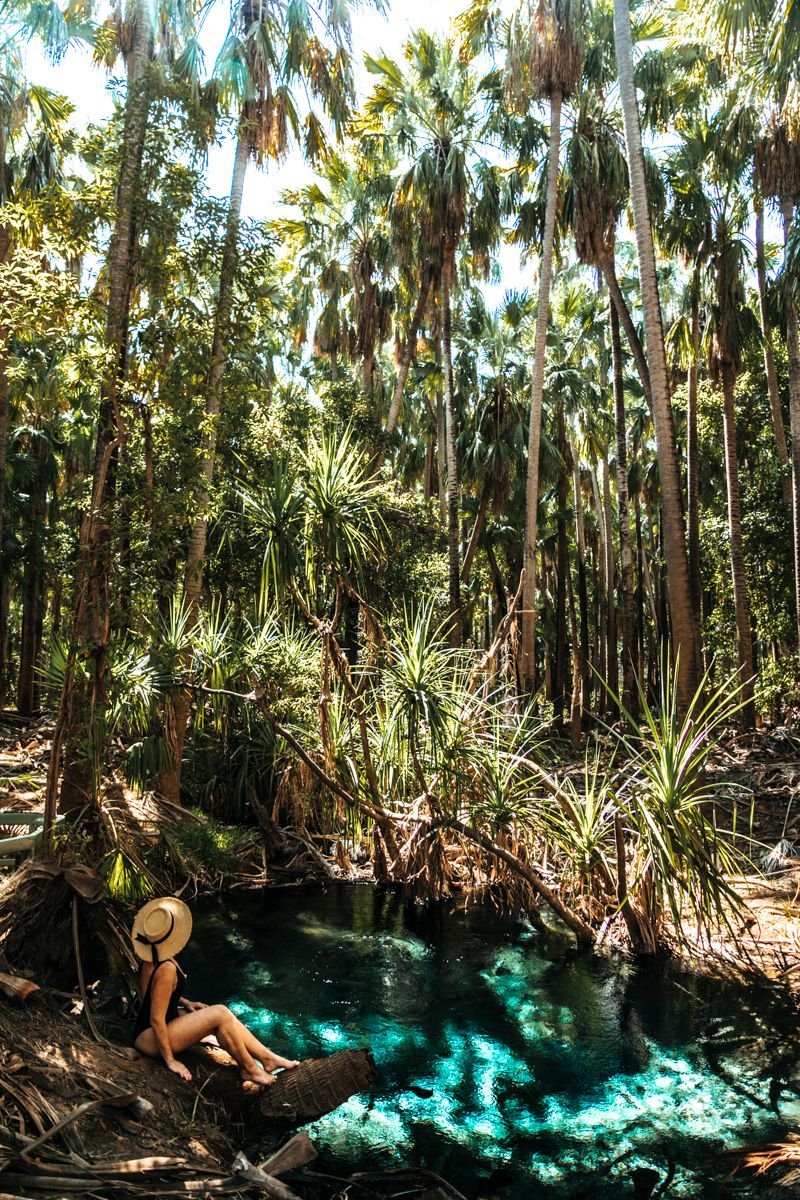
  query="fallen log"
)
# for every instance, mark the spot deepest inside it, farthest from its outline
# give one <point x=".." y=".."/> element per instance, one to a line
<point x="16" y="989"/>
<point x="300" y="1095"/>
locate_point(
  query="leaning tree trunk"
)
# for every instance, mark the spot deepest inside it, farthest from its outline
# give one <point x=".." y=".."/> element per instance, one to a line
<point x="453" y="532"/>
<point x="744" y="636"/>
<point x="404" y="366"/>
<point x="793" y="341"/>
<point x="528" y="639"/>
<point x="684" y="619"/>
<point x="769" y="362"/>
<point x="84" y="692"/>
<point x="630" y="645"/>
<point x="177" y="715"/>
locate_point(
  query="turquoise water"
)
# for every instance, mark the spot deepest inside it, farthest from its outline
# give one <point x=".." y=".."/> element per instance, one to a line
<point x="508" y="1063"/>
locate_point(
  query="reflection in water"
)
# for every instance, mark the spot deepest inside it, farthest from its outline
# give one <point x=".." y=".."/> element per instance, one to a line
<point x="504" y="1061"/>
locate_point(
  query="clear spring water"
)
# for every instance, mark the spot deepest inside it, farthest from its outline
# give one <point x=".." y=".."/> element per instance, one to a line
<point x="511" y="1066"/>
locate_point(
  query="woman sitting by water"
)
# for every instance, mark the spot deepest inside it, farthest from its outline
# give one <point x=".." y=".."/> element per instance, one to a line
<point x="161" y="930"/>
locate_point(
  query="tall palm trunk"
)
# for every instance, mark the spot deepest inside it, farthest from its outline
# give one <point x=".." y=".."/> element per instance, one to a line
<point x="611" y="577"/>
<point x="528" y="640"/>
<point x="744" y="636"/>
<point x="630" y="647"/>
<point x="560" y="692"/>
<point x="693" y="464"/>
<point x="684" y="622"/>
<point x="453" y="533"/>
<point x="609" y="270"/>
<point x="769" y="361"/>
<point x="404" y="366"/>
<point x="84" y="695"/>
<point x="178" y="711"/>
<point x="583" y="595"/>
<point x="793" y="341"/>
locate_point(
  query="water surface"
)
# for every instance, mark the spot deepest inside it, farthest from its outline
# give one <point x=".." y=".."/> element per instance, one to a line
<point x="512" y="1065"/>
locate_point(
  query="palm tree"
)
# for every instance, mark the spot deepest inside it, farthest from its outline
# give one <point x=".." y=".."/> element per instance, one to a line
<point x="91" y="618"/>
<point x="683" y="616"/>
<point x="544" y="62"/>
<point x="729" y="336"/>
<point x="438" y="117"/>
<point x="272" y="47"/>
<point x="777" y="173"/>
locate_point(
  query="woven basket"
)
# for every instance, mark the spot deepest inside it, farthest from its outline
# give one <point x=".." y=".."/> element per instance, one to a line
<point x="317" y="1087"/>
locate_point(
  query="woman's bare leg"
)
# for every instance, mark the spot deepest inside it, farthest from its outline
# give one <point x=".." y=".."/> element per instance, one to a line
<point x="268" y="1058"/>
<point x="190" y="1028"/>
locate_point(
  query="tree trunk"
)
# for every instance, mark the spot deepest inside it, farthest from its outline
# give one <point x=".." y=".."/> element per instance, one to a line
<point x="583" y="595"/>
<point x="630" y="647"/>
<point x="693" y="466"/>
<point x="404" y="366"/>
<point x="793" y="341"/>
<point x="683" y="618"/>
<point x="611" y="577"/>
<point x="608" y="267"/>
<point x="744" y="637"/>
<point x="560" y="694"/>
<point x="601" y="558"/>
<point x="85" y="694"/>
<point x="177" y="714"/>
<point x="477" y="530"/>
<point x="528" y="640"/>
<point x="5" y="248"/>
<point x="769" y="361"/>
<point x="32" y="601"/>
<point x="453" y="538"/>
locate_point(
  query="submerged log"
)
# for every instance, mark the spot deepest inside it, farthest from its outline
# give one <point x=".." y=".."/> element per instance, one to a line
<point x="300" y="1095"/>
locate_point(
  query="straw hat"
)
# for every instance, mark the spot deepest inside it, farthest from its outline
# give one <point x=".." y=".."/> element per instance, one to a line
<point x="161" y="929"/>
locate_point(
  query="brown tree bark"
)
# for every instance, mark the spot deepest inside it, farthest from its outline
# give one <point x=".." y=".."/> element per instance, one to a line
<point x="630" y="646"/>
<point x="683" y="620"/>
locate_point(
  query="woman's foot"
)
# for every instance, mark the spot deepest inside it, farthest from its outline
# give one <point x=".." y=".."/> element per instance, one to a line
<point x="258" y="1075"/>
<point x="274" y="1062"/>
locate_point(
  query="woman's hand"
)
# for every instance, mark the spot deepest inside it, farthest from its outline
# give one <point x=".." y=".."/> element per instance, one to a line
<point x="177" y="1068"/>
<point x="192" y="1005"/>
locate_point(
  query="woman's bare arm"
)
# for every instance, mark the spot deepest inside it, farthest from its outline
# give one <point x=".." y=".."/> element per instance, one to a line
<point x="163" y="987"/>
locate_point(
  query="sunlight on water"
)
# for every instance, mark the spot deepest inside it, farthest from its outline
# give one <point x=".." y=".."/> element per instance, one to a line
<point x="502" y="1061"/>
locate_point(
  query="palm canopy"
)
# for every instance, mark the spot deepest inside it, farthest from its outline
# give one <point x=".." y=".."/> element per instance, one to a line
<point x="273" y="46"/>
<point x="437" y="115"/>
